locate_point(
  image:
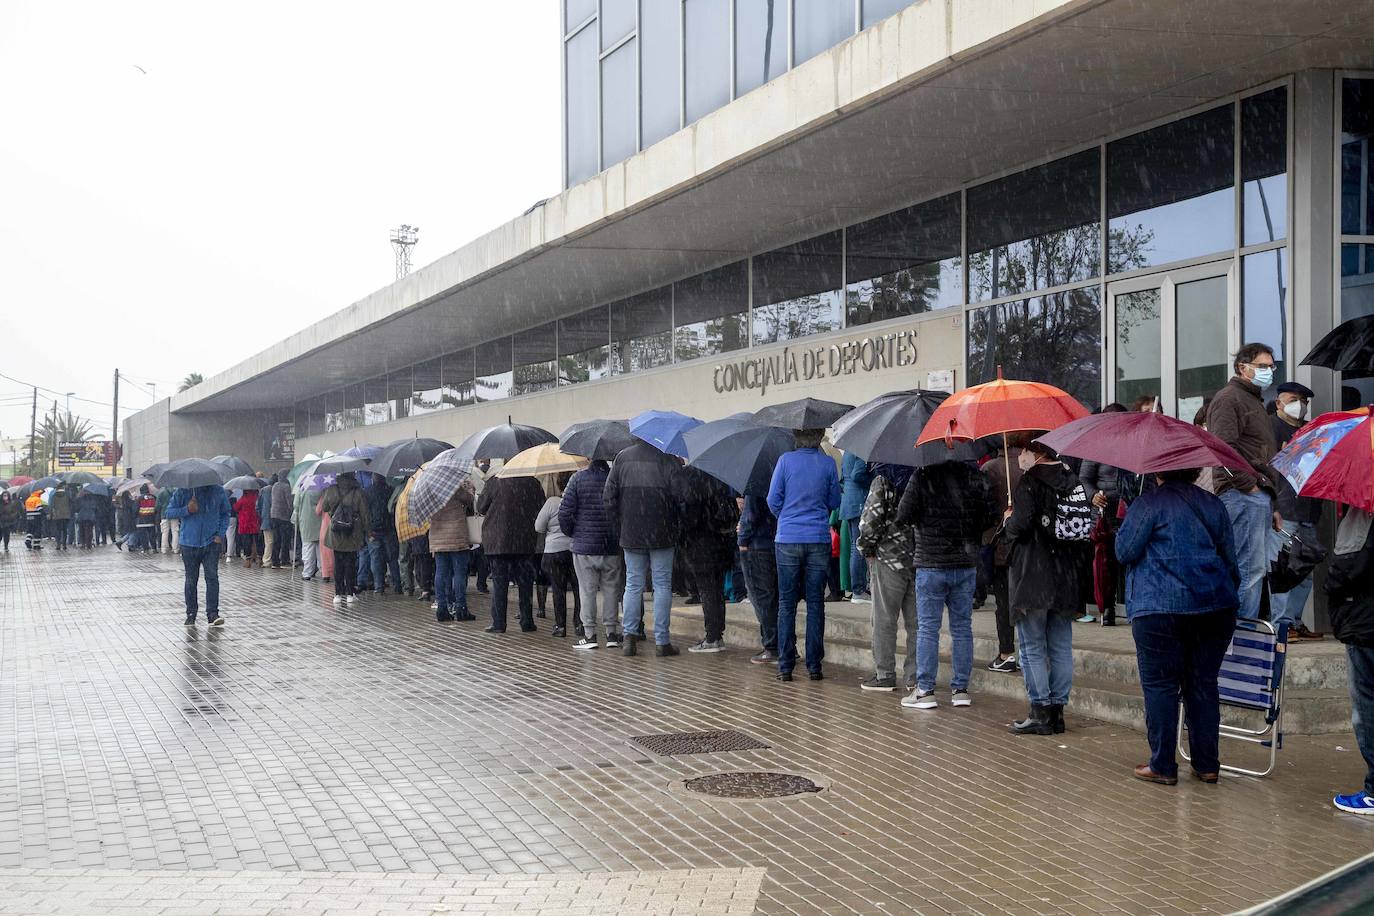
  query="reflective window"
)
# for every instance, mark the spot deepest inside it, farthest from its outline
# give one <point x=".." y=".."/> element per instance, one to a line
<point x="1203" y="360"/>
<point x="617" y="21"/>
<point x="1139" y="345"/>
<point x="300" y="421"/>
<point x="376" y="406"/>
<point x="711" y="311"/>
<point x="334" y="419"/>
<point x="581" y="129"/>
<point x="619" y="105"/>
<point x="317" y="415"/>
<point x="494" y="374"/>
<point x="760" y="42"/>
<point x="575" y="12"/>
<point x="1357" y="157"/>
<point x="1171" y="192"/>
<point x="797" y="290"/>
<point x="660" y="69"/>
<point x="353" y="407"/>
<point x="1264" y="166"/>
<point x="821" y="24"/>
<point x="707" y="47"/>
<point x="1035" y="229"/>
<point x="1264" y="304"/>
<point x="877" y="10"/>
<point x="536" y="367"/>
<point x="584" y="349"/>
<point x="642" y="331"/>
<point x="398" y="391"/>
<point x="1054" y="339"/>
<point x="427" y="388"/>
<point x="904" y="263"/>
<point x="460" y="378"/>
<point x="1357" y="299"/>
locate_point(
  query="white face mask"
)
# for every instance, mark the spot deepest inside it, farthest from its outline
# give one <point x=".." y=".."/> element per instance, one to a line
<point x="1026" y="460"/>
<point x="1295" y="409"/>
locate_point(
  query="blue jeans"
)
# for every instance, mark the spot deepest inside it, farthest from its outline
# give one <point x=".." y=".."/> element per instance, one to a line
<point x="937" y="589"/>
<point x="1251" y="521"/>
<point x="642" y="566"/>
<point x="365" y="566"/>
<point x="761" y="570"/>
<point x="858" y="566"/>
<point x="1046" y="644"/>
<point x="802" y="570"/>
<point x="450" y="578"/>
<point x="1289" y="605"/>
<point x="62" y="534"/>
<point x="193" y="561"/>
<point x="1361" y="660"/>
<point x="385" y="553"/>
<point x="1179" y="656"/>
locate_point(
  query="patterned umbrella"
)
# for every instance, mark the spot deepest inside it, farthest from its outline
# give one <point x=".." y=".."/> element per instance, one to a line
<point x="1333" y="458"/>
<point x="444" y="474"/>
<point x="541" y="460"/>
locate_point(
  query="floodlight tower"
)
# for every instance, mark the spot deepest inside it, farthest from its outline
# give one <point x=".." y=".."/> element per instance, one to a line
<point x="402" y="240"/>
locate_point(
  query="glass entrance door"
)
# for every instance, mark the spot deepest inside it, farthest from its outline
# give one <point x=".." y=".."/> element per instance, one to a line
<point x="1171" y="336"/>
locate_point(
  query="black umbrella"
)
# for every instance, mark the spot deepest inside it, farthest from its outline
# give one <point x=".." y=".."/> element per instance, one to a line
<point x="96" y="489"/>
<point x="806" y="413"/>
<point x="235" y="464"/>
<point x="885" y="430"/>
<point x="504" y="441"/>
<point x="597" y="439"/>
<point x="192" y="472"/>
<point x="37" y="486"/>
<point x="404" y="456"/>
<point x="1348" y="348"/>
<point x="80" y="478"/>
<point x="739" y="452"/>
<point x="153" y="470"/>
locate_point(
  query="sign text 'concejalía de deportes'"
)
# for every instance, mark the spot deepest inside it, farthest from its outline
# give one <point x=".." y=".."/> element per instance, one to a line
<point x="809" y="364"/>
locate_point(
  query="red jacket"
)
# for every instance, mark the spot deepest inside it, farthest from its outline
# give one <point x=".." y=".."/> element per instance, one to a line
<point x="246" y="508"/>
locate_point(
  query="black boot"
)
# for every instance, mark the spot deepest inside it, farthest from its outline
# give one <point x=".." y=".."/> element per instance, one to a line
<point x="631" y="645"/>
<point x="1057" y="718"/>
<point x="1037" y="722"/>
<point x="1109" y="617"/>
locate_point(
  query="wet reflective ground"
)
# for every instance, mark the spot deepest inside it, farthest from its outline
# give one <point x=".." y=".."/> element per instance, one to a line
<point x="305" y="738"/>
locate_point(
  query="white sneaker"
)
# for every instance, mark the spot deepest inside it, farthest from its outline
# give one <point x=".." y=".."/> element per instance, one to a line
<point x="352" y="599"/>
<point x="960" y="698"/>
<point x="338" y="599"/>
<point x="920" y="699"/>
<point x="708" y="645"/>
<point x="586" y="643"/>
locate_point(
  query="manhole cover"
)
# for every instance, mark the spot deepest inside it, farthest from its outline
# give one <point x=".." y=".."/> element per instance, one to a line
<point x="751" y="785"/>
<point x="671" y="744"/>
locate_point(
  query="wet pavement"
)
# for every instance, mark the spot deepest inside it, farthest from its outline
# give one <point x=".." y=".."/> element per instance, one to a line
<point x="303" y="739"/>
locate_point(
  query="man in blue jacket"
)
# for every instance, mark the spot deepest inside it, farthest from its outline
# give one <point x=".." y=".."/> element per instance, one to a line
<point x="204" y="514"/>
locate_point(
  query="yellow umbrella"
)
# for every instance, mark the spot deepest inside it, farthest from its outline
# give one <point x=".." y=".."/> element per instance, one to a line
<point x="541" y="460"/>
<point x="405" y="531"/>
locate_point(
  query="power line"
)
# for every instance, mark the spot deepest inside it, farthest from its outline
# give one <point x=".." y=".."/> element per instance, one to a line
<point x="62" y="394"/>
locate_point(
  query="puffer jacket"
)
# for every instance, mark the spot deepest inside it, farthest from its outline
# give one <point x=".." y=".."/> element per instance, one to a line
<point x="639" y="498"/>
<point x="1350" y="580"/>
<point x="11" y="512"/>
<point x="708" y="517"/>
<point x="448" y="528"/>
<point x="1099" y="478"/>
<point x="582" y="513"/>
<point x="881" y="536"/>
<point x="1045" y="574"/>
<point x="345" y="491"/>
<point x="950" y="506"/>
<point x="509" y="506"/>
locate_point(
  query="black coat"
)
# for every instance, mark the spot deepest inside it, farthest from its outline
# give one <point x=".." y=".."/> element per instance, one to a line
<point x="950" y="507"/>
<point x="639" y="498"/>
<point x="1350" y="588"/>
<point x="1045" y="574"/>
<point x="510" y="505"/>
<point x="708" y="517"/>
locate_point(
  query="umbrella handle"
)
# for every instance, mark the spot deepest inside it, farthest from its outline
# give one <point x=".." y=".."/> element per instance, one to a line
<point x="1006" y="461"/>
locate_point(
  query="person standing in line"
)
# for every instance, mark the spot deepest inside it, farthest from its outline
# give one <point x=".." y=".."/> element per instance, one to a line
<point x="204" y="515"/>
<point x="804" y="490"/>
<point x="1350" y="590"/>
<point x="996" y="471"/>
<point x="167" y="530"/>
<point x="757" y="529"/>
<point x="595" y="554"/>
<point x="264" y="496"/>
<point x="557" y="561"/>
<point x="384" y="550"/>
<point x="307" y="522"/>
<point x="249" y="528"/>
<point x="145" y="519"/>
<point x="60" y="513"/>
<point x="639" y="503"/>
<point x="280" y="509"/>
<point x="1101" y="482"/>
<point x="510" y="505"/>
<point x="448" y="540"/>
<point x="890" y="549"/>
<point x="478" y="564"/>
<point x="709" y="527"/>
<point x="33" y="516"/>
<point x="346" y="507"/>
<point x="855" y="479"/>
<point x="104" y="522"/>
<point x="1300" y="514"/>
<point x="11" y="517"/>
<point x="87" y="511"/>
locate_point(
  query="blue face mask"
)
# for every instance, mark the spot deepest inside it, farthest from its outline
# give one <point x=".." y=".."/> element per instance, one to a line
<point x="1264" y="377"/>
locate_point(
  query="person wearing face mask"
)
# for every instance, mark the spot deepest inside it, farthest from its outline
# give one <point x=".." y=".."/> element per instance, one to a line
<point x="1300" y="513"/>
<point x="1238" y="418"/>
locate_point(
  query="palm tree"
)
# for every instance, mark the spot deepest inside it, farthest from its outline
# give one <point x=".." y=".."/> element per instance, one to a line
<point x="192" y="380"/>
<point x="66" y="428"/>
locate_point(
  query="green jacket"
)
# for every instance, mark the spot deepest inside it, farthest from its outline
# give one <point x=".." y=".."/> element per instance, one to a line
<point x="303" y="514"/>
<point x="346" y="492"/>
<point x="60" y="505"/>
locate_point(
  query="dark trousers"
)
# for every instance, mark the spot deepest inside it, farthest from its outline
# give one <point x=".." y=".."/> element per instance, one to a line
<point x="194" y="560"/>
<point x="1179" y="655"/>
<point x="422" y="567"/>
<point x="386" y="554"/>
<point x="802" y="571"/>
<point x="761" y="569"/>
<point x="282" y="537"/>
<point x="1361" y="661"/>
<point x="710" y="582"/>
<point x="506" y="568"/>
<point x="5" y="536"/>
<point x="558" y="568"/>
<point x="1006" y="633"/>
<point x="63" y="534"/>
<point x="479" y="567"/>
<point x="345" y="572"/>
<point x="85" y="533"/>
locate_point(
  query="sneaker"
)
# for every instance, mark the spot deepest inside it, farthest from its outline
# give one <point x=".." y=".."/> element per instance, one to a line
<point x="887" y="684"/>
<point x="862" y="598"/>
<point x="1359" y="803"/>
<point x="190" y="620"/>
<point x="434" y="606"/>
<point x="352" y="599"/>
<point x="1008" y="665"/>
<point x="338" y="599"/>
<point x="708" y="645"/>
<point x="587" y="644"/>
<point x="667" y="650"/>
<point x="763" y="658"/>
<point x="560" y="631"/>
<point x="960" y="698"/>
<point x="216" y="621"/>
<point x="920" y="699"/>
<point x="1086" y="618"/>
<point x="612" y="640"/>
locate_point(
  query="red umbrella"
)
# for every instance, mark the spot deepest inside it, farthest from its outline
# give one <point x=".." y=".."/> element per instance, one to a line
<point x="999" y="407"/>
<point x="1146" y="443"/>
<point x="20" y="480"/>
<point x="1332" y="457"/>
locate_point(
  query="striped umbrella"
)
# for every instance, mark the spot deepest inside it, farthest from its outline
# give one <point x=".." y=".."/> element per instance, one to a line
<point x="444" y="474"/>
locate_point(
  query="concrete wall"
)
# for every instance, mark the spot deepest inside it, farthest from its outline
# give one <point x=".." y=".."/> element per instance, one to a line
<point x="238" y="432"/>
<point x="146" y="436"/>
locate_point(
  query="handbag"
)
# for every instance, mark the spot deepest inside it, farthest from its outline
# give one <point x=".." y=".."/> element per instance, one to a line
<point x="474" y="530"/>
<point x="1295" y="562"/>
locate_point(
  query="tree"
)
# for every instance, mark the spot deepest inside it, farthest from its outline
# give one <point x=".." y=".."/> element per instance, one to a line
<point x="66" y="428"/>
<point x="192" y="380"/>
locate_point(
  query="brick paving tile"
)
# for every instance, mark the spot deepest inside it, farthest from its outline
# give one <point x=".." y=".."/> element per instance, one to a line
<point x="363" y="757"/>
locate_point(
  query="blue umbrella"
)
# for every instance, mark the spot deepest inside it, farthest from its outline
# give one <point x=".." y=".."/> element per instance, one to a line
<point x="96" y="489"/>
<point x="663" y="430"/>
<point x="738" y="452"/>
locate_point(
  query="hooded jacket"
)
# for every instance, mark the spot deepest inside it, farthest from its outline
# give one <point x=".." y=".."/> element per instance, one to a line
<point x="246" y="509"/>
<point x="281" y="500"/>
<point x="209" y="521"/>
<point x="509" y="506"/>
<point x="582" y="514"/>
<point x="950" y="507"/>
<point x="378" y="496"/>
<point x="639" y="498"/>
<point x="1045" y="574"/>
<point x="346" y="492"/>
<point x="60" y="505"/>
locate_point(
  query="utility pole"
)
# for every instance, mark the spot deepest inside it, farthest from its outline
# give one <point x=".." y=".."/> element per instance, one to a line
<point x="33" y="434"/>
<point x="114" y="459"/>
<point x="52" y="455"/>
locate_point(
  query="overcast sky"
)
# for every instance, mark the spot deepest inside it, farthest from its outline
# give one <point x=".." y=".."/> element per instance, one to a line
<point x="183" y="184"/>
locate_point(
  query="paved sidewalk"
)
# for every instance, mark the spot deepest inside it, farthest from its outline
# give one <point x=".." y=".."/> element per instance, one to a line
<point x="305" y="738"/>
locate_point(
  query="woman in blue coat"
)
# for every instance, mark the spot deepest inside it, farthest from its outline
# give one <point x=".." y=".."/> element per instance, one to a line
<point x="1182" y="591"/>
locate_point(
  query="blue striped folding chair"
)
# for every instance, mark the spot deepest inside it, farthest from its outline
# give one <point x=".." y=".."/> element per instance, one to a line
<point x="1251" y="678"/>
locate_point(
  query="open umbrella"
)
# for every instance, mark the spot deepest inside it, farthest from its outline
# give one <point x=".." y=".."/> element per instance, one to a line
<point x="444" y="474"/>
<point x="738" y="452"/>
<point x="405" y="530"/>
<point x="1146" y="443"/>
<point x="80" y="478"/>
<point x="235" y="464"/>
<point x="35" y="486"/>
<point x="504" y="441"/>
<point x="131" y="486"/>
<point x="404" y="456"/>
<point x="805" y="413"/>
<point x="1348" y="348"/>
<point x="112" y="482"/>
<point x="189" y="473"/>
<point x="19" y="480"/>
<point x="597" y="439"/>
<point x="663" y="430"/>
<point x="541" y="460"/>
<point x="1332" y="458"/>
<point x="885" y="430"/>
<point x="338" y="464"/>
<point x="245" y="482"/>
<point x="154" y="469"/>
<point x="96" y="489"/>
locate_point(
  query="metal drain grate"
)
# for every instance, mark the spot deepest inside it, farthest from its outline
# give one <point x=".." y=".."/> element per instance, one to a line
<point x="754" y="784"/>
<point x="672" y="744"/>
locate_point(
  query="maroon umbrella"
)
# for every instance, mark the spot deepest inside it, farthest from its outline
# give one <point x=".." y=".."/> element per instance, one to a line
<point x="1146" y="443"/>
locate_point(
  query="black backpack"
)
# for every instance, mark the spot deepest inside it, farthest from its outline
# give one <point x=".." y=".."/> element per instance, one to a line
<point x="343" y="519"/>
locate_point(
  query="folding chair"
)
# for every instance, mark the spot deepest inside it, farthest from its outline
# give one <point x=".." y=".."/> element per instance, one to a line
<point x="1251" y="678"/>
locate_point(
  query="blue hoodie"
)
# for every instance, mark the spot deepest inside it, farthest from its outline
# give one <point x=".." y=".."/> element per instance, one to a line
<point x="855" y="479"/>
<point x="211" y="521"/>
<point x="804" y="491"/>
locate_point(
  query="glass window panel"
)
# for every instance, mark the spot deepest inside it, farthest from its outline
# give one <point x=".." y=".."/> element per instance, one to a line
<point x="707" y="47"/>
<point x="797" y="290"/>
<point x="376" y="406"/>
<point x="584" y="348"/>
<point x="904" y="263"/>
<point x="333" y="406"/>
<point x="660" y="69"/>
<point x="642" y="331"/>
<point x="821" y="24"/>
<point x="1139" y="340"/>
<point x="877" y="10"/>
<point x="619" y="100"/>
<point x="398" y="391"/>
<point x="1357" y="157"/>
<point x="1357" y="299"/>
<point x="760" y="42"/>
<point x="494" y="372"/>
<point x="460" y="378"/>
<point x="427" y="388"/>
<point x="617" y="20"/>
<point x="1035" y="229"/>
<point x="353" y="407"/>
<point x="1204" y="363"/>
<point x="536" y="367"/>
<point x="711" y="312"/>
<point x="582" y="130"/>
<point x="1171" y="192"/>
<point x="1264" y="166"/>
<point x="1054" y="338"/>
<point x="1264" y="304"/>
<point x="577" y="11"/>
